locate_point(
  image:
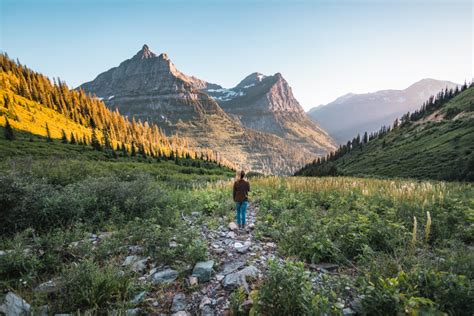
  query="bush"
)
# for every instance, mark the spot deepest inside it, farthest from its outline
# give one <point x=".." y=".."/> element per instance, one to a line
<point x="287" y="290"/>
<point x="418" y="292"/>
<point x="90" y="287"/>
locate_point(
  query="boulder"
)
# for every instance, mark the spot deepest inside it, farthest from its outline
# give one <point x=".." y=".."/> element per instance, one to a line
<point x="164" y="276"/>
<point x="48" y="287"/>
<point x="179" y="303"/>
<point x="138" y="264"/>
<point x="236" y="279"/>
<point x="203" y="270"/>
<point x="13" y="304"/>
<point x="232" y="266"/>
<point x="242" y="248"/>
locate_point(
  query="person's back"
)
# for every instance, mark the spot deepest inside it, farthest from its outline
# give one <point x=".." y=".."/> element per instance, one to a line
<point x="241" y="190"/>
<point x="240" y="194"/>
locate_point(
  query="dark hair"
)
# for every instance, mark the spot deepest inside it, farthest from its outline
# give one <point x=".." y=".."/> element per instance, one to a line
<point x="242" y="174"/>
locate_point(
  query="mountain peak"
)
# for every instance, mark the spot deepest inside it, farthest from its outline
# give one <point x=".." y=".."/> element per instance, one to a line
<point x="252" y="79"/>
<point x="144" y="53"/>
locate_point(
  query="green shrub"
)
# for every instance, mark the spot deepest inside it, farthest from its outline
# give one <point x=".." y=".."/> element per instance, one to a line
<point x="90" y="287"/>
<point x="419" y="292"/>
<point x="237" y="298"/>
<point x="287" y="290"/>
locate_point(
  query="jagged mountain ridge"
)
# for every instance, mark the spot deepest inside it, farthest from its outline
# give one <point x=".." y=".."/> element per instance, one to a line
<point x="151" y="88"/>
<point x="352" y="113"/>
<point x="267" y="104"/>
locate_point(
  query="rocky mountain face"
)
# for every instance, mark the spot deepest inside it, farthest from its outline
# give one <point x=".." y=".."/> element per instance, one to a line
<point x="276" y="137"/>
<point x="267" y="104"/>
<point x="357" y="113"/>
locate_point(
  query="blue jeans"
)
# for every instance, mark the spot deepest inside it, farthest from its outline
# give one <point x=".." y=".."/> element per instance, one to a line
<point x="241" y="208"/>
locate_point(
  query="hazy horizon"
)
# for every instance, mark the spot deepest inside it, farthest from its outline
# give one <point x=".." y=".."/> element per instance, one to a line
<point x="323" y="49"/>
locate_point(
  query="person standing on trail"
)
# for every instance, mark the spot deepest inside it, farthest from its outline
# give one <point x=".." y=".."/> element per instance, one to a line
<point x="240" y="193"/>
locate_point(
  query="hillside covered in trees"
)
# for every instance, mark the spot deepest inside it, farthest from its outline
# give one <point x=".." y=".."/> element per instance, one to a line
<point x="31" y="103"/>
<point x="435" y="142"/>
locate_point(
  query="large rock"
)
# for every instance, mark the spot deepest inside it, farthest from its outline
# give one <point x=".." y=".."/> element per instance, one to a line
<point x="48" y="287"/>
<point x="179" y="303"/>
<point x="137" y="264"/>
<point x="13" y="305"/>
<point x="164" y="276"/>
<point x="232" y="266"/>
<point x="236" y="279"/>
<point x="242" y="248"/>
<point x="203" y="270"/>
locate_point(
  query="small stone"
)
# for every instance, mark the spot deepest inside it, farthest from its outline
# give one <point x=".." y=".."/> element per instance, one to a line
<point x="139" y="298"/>
<point x="105" y="235"/>
<point x="233" y="226"/>
<point x="219" y="251"/>
<point x="135" y="249"/>
<point x="13" y="304"/>
<point x="179" y="303"/>
<point x="251" y="225"/>
<point x="219" y="277"/>
<point x="270" y="244"/>
<point x="204" y="301"/>
<point x="207" y="311"/>
<point x="164" y="277"/>
<point x="231" y="235"/>
<point x="173" y="244"/>
<point x="181" y="313"/>
<point x="203" y="270"/>
<point x="133" y="312"/>
<point x="348" y="311"/>
<point x="193" y="280"/>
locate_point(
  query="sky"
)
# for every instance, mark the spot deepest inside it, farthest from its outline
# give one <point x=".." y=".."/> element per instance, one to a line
<point x="324" y="49"/>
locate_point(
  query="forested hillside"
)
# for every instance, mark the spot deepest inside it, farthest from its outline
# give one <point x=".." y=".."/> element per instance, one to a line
<point x="435" y="142"/>
<point x="30" y="102"/>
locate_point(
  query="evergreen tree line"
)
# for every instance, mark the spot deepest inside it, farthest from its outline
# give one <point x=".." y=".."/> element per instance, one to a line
<point x="108" y="127"/>
<point x="323" y="165"/>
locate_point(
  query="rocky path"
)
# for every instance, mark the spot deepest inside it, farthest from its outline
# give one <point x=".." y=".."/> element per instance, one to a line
<point x="236" y="258"/>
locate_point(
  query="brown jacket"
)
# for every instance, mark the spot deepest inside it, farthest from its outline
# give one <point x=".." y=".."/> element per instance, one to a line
<point x="241" y="190"/>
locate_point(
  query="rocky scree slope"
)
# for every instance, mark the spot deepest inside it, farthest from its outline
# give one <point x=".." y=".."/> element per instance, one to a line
<point x="267" y="104"/>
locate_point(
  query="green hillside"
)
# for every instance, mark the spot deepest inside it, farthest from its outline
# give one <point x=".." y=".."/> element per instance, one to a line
<point x="435" y="144"/>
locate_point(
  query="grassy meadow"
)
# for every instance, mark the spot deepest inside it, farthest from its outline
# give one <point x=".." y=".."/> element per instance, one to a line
<point x="400" y="246"/>
<point x="71" y="215"/>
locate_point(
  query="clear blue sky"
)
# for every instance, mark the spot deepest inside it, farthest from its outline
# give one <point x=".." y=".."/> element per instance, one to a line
<point x="323" y="48"/>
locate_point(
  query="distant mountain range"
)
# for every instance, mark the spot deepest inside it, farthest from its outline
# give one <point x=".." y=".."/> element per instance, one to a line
<point x="351" y="114"/>
<point x="258" y="124"/>
<point x="435" y="142"/>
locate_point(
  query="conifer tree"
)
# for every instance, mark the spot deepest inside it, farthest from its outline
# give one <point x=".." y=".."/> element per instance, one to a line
<point x="63" y="137"/>
<point x="95" y="141"/>
<point x="9" y="134"/>
<point x="73" y="139"/>
<point x="48" y="134"/>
